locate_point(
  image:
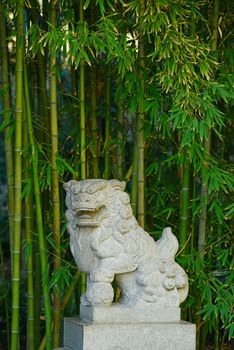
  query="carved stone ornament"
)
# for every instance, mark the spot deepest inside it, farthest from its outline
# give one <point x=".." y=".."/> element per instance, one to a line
<point x="108" y="244"/>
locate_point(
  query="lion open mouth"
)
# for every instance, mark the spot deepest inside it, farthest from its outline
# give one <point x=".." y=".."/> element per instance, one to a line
<point x="90" y="216"/>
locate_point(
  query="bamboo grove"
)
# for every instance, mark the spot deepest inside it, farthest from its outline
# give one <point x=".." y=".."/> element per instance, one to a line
<point x="137" y="90"/>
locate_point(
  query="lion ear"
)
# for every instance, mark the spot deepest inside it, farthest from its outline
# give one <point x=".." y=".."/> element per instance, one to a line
<point x="117" y="184"/>
<point x="71" y="186"/>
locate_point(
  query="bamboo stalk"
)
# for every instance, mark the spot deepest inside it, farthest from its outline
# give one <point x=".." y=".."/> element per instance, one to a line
<point x="120" y="144"/>
<point x="41" y="89"/>
<point x="82" y="123"/>
<point x="41" y="238"/>
<point x="82" y="107"/>
<point x="66" y="300"/>
<point x="29" y="248"/>
<point x="94" y="123"/>
<point x="106" y="174"/>
<point x="82" y="129"/>
<point x="55" y="182"/>
<point x="18" y="179"/>
<point x="3" y="276"/>
<point x="134" y="173"/>
<point x="201" y="336"/>
<point x="140" y="127"/>
<point x="30" y="289"/>
<point x="184" y="207"/>
<point x="7" y="138"/>
<point x="207" y="147"/>
<point x="43" y="138"/>
<point x="37" y="291"/>
<point x="204" y="201"/>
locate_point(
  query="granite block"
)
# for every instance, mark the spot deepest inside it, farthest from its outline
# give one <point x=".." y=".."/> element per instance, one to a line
<point x="80" y="335"/>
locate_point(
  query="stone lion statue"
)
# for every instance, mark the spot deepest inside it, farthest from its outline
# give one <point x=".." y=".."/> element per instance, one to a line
<point x="108" y="244"/>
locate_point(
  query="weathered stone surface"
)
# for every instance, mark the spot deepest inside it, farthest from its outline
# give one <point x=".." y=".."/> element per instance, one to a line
<point x="160" y="336"/>
<point x="107" y="243"/>
<point x="123" y="314"/>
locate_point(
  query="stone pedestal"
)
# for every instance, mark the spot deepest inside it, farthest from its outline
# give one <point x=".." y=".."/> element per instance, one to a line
<point x="119" y="328"/>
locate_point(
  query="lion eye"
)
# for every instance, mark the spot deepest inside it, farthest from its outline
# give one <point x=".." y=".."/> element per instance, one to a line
<point x="91" y="189"/>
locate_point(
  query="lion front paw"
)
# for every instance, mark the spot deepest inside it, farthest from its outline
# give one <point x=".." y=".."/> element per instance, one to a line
<point x="100" y="293"/>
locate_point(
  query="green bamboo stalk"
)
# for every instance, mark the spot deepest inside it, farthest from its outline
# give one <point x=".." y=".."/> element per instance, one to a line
<point x="29" y="249"/>
<point x="18" y="179"/>
<point x="184" y="207"/>
<point x="55" y="182"/>
<point x="120" y="144"/>
<point x="43" y="138"/>
<point x="73" y="80"/>
<point x="66" y="300"/>
<point x="134" y="173"/>
<point x="82" y="122"/>
<point x="202" y="333"/>
<point x="215" y="22"/>
<point x="30" y="288"/>
<point x="82" y="106"/>
<point x="194" y="196"/>
<point x="41" y="238"/>
<point x="140" y="126"/>
<point x="93" y="88"/>
<point x="207" y="147"/>
<point x="94" y="123"/>
<point x="2" y="269"/>
<point x="106" y="174"/>
<point x="41" y="89"/>
<point x="37" y="291"/>
<point x="204" y="201"/>
<point x="82" y="129"/>
<point x="74" y="92"/>
<point x="7" y="138"/>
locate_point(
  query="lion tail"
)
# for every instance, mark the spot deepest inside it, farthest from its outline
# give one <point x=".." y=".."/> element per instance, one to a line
<point x="168" y="244"/>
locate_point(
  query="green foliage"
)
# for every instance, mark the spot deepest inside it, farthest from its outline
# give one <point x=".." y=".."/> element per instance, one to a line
<point x="184" y="90"/>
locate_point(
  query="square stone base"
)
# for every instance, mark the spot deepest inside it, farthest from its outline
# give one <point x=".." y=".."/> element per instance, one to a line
<point x="80" y="335"/>
<point x="118" y="313"/>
